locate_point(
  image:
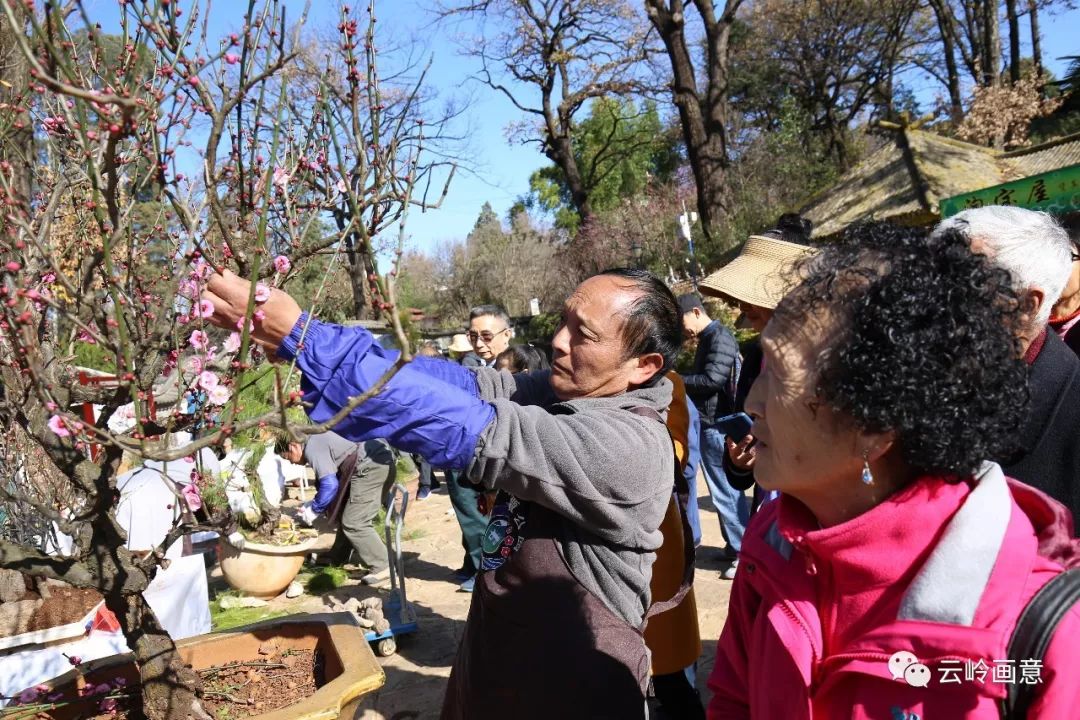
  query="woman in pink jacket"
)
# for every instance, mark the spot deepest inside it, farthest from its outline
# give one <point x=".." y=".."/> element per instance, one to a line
<point x="888" y="579"/>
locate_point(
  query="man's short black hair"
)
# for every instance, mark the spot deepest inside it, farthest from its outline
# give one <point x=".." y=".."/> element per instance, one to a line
<point x="654" y="322"/>
<point x="282" y="441"/>
<point x="496" y="311"/>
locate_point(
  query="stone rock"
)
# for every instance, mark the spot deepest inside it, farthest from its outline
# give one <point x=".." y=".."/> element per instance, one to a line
<point x="12" y="586"/>
<point x="230" y="601"/>
<point x="47" y="586"/>
<point x="373" y="614"/>
<point x="15" y="616"/>
<point x="382" y="625"/>
<point x="365" y="623"/>
<point x="353" y="605"/>
<point x="371" y="602"/>
<point x="294" y="590"/>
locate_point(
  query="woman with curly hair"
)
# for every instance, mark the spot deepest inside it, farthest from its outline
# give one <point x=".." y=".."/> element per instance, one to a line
<point x="891" y="371"/>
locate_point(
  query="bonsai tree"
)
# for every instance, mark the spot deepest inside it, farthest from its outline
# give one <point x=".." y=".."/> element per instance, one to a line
<point x="133" y="163"/>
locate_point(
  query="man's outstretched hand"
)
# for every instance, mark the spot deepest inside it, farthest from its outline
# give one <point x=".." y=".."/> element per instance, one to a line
<point x="229" y="293"/>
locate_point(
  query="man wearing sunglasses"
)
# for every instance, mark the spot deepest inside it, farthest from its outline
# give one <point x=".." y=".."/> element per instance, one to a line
<point x="489" y="332"/>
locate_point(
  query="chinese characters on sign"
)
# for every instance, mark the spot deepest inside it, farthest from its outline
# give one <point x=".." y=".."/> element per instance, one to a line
<point x="1057" y="191"/>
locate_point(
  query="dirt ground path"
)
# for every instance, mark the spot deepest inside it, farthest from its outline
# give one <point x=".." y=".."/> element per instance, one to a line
<point x="416" y="675"/>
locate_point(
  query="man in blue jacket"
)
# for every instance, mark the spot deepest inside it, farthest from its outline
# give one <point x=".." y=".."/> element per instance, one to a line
<point x="583" y="466"/>
<point x="711" y="385"/>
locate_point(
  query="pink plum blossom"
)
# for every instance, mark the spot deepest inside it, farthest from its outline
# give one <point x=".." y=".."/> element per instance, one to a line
<point x="85" y="337"/>
<point x="48" y="278"/>
<point x="199" y="340"/>
<point x="205" y="309"/>
<point x="54" y="125"/>
<point x="59" y="428"/>
<point x="282" y="264"/>
<point x="281" y="178"/>
<point x="262" y="293"/>
<point x="188" y="288"/>
<point x="259" y="316"/>
<point x="28" y="696"/>
<point x="202" y="270"/>
<point x="208" y="380"/>
<point x="232" y="58"/>
<point x="192" y="497"/>
<point x="232" y="343"/>
<point x="218" y="395"/>
<point x="240" y="325"/>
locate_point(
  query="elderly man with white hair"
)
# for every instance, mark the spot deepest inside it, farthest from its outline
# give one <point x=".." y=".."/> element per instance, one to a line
<point x="1036" y="250"/>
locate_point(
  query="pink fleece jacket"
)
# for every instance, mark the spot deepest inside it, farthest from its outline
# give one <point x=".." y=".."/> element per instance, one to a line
<point x="939" y="570"/>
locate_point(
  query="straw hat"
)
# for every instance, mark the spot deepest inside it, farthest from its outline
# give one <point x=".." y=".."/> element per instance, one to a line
<point x="758" y="275"/>
<point x="460" y="343"/>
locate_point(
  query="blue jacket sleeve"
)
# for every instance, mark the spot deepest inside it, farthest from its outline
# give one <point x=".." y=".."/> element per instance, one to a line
<point x="326" y="489"/>
<point x="429" y="407"/>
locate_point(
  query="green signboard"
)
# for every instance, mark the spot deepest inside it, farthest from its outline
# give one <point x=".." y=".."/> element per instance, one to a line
<point x="1057" y="191"/>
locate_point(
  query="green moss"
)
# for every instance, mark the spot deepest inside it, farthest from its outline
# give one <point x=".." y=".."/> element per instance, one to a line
<point x="326" y="579"/>
<point x="405" y="467"/>
<point x="236" y="617"/>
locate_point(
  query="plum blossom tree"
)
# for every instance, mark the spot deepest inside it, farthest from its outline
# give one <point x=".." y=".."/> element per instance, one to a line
<point x="159" y="155"/>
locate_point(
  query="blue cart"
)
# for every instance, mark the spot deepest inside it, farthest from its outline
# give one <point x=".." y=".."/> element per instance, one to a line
<point x="396" y="607"/>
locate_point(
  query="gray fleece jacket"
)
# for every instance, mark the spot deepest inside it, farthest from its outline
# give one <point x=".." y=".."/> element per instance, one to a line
<point x="606" y="471"/>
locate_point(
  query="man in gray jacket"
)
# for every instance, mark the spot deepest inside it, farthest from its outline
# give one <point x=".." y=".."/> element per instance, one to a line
<point x="584" y="468"/>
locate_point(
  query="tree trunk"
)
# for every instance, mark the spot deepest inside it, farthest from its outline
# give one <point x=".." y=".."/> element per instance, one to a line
<point x="703" y="117"/>
<point x="1036" y="49"/>
<point x="360" y="270"/>
<point x="560" y="151"/>
<point x="17" y="146"/>
<point x="948" y="48"/>
<point x="360" y="267"/>
<point x="1014" y="41"/>
<point x="988" y="33"/>
<point x="168" y="686"/>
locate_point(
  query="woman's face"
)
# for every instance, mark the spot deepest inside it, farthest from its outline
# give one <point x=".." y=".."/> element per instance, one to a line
<point x="803" y="446"/>
<point x="756" y="316"/>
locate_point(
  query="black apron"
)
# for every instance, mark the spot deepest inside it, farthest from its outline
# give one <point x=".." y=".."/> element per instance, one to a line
<point x="553" y="651"/>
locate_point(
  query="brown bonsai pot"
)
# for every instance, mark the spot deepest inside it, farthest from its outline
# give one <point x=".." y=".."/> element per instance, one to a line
<point x="261" y="570"/>
<point x="348" y="668"/>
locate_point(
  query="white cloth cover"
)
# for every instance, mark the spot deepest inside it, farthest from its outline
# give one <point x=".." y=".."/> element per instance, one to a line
<point x="179" y="599"/>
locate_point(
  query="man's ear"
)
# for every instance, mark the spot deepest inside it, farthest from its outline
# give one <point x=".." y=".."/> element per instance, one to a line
<point x="647" y="366"/>
<point x="1032" y="303"/>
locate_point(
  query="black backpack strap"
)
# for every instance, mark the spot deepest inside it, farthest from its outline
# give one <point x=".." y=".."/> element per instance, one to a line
<point x="1033" y="633"/>
<point x="682" y="493"/>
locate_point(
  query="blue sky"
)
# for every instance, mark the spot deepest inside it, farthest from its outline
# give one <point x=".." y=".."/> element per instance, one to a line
<point x="500" y="170"/>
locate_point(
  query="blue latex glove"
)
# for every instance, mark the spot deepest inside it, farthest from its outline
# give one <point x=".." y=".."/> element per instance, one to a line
<point x="326" y="490"/>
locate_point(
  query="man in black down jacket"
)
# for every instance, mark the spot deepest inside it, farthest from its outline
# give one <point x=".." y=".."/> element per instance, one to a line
<point x="711" y="386"/>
